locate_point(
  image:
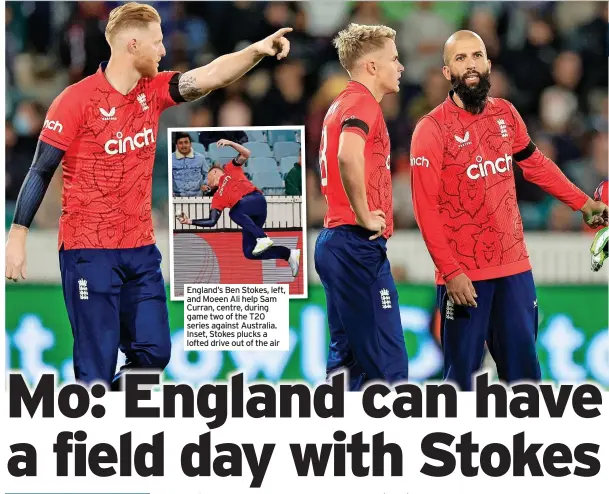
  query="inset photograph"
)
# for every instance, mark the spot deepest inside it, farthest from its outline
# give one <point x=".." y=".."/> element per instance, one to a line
<point x="238" y="207"/>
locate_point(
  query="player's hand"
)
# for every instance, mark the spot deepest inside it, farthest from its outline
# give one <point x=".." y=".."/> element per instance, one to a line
<point x="224" y="142"/>
<point x="461" y="291"/>
<point x="375" y="222"/>
<point x="15" y="254"/>
<point x="275" y="44"/>
<point x="205" y="188"/>
<point x="182" y="218"/>
<point x="595" y="213"/>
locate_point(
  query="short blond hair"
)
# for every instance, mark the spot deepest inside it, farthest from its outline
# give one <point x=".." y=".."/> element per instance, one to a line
<point x="358" y="40"/>
<point x="129" y="15"/>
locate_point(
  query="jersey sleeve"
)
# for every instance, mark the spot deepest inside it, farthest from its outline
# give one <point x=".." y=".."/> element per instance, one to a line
<point x="541" y="170"/>
<point x="165" y="86"/>
<point x="426" y="155"/>
<point x="63" y="120"/>
<point x="358" y="116"/>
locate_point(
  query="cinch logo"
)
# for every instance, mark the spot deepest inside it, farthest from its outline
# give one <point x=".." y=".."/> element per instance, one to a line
<point x="122" y="146"/>
<point x="53" y="125"/>
<point x="422" y="161"/>
<point x="481" y="169"/>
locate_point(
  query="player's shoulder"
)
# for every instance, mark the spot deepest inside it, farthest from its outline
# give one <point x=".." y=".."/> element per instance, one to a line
<point x="501" y="104"/>
<point x="437" y="116"/>
<point x="77" y="93"/>
<point x="432" y="120"/>
<point x="356" y="95"/>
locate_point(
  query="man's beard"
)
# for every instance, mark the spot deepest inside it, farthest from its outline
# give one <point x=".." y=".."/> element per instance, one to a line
<point x="146" y="67"/>
<point x="472" y="97"/>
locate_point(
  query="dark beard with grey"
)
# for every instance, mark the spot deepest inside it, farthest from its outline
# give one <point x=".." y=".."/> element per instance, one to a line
<point x="472" y="97"/>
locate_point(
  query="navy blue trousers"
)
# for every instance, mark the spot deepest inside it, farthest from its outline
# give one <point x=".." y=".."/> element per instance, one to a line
<point x="366" y="333"/>
<point x="115" y="299"/>
<point x="250" y="214"/>
<point x="506" y="320"/>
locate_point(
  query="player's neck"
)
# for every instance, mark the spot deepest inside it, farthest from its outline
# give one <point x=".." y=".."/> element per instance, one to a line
<point x="121" y="76"/>
<point x="378" y="93"/>
<point x="457" y="101"/>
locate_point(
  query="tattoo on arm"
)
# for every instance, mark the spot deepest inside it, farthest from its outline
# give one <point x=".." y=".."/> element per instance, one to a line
<point x="188" y="89"/>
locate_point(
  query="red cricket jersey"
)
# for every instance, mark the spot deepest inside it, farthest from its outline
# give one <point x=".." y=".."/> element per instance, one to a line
<point x="232" y="187"/>
<point x="464" y="193"/>
<point x="356" y="110"/>
<point x="109" y="141"/>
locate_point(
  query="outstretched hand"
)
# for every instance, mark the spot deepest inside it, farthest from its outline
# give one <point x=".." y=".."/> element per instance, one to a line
<point x="182" y="218"/>
<point x="275" y="45"/>
<point x="224" y="142"/>
<point x="595" y="214"/>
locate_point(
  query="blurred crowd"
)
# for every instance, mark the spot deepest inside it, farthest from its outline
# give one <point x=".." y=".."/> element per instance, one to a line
<point x="549" y="59"/>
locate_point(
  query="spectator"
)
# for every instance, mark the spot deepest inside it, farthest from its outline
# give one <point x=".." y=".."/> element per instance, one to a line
<point x="189" y="168"/>
<point x="83" y="45"/>
<point x="21" y="138"/>
<point x="435" y="89"/>
<point x="201" y="116"/>
<point x="587" y="173"/>
<point x="238" y="136"/>
<point x="235" y="113"/>
<point x="285" y="103"/>
<point x="293" y="180"/>
<point x="421" y="39"/>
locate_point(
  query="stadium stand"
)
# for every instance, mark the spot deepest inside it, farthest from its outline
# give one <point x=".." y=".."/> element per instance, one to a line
<point x="256" y="135"/>
<point x="282" y="149"/>
<point x="259" y="149"/>
<point x="280" y="135"/>
<point x="221" y="154"/>
<point x="259" y="164"/>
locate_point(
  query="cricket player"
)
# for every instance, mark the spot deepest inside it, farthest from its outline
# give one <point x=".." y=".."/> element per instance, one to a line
<point x="248" y="209"/>
<point x="463" y="155"/>
<point x="366" y="334"/>
<point x="103" y="130"/>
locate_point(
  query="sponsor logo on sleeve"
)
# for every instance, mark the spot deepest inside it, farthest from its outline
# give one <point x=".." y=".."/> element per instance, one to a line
<point x="420" y="161"/>
<point x="53" y="125"/>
